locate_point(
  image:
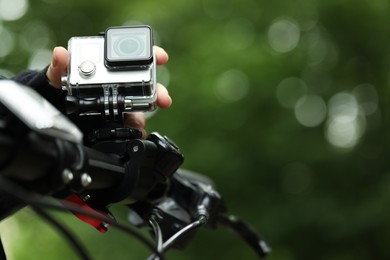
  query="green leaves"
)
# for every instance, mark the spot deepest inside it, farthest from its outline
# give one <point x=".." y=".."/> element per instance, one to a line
<point x="265" y="94"/>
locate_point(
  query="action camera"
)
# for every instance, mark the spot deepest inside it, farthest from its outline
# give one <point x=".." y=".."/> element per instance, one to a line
<point x="112" y="73"/>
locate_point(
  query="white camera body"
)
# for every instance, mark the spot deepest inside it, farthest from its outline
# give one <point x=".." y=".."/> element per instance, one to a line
<point x="111" y="74"/>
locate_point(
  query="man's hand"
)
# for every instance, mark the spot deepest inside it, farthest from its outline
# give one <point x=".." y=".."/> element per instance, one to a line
<point x="58" y="67"/>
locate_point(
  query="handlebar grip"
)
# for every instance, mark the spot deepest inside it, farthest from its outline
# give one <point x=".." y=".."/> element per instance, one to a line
<point x="33" y="162"/>
<point x="27" y="159"/>
<point x="247" y="233"/>
<point x="105" y="170"/>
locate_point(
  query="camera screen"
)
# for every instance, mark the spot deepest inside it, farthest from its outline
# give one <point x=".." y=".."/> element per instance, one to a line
<point x="128" y="46"/>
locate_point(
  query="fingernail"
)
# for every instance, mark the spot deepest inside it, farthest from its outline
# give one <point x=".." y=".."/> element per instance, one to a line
<point x="54" y="58"/>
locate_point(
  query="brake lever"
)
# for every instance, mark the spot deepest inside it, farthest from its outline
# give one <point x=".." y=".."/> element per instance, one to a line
<point x="191" y="201"/>
<point x="177" y="218"/>
<point x="247" y="233"/>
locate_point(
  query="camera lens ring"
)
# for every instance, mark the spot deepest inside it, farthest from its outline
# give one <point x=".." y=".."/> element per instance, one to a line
<point x="118" y="55"/>
<point x="128" y="46"/>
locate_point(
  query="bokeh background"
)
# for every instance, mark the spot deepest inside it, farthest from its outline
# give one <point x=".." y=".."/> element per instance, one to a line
<point x="284" y="104"/>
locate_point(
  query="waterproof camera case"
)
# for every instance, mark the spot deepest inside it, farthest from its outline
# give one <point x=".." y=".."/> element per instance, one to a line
<point x="112" y="73"/>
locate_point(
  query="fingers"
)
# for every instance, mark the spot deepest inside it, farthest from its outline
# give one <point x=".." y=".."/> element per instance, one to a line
<point x="138" y="120"/>
<point x="163" y="98"/>
<point x="58" y="66"/>
<point x="161" y="55"/>
<point x="59" y="63"/>
<point x="135" y="120"/>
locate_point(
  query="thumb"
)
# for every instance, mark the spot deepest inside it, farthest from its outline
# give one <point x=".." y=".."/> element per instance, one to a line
<point x="58" y="66"/>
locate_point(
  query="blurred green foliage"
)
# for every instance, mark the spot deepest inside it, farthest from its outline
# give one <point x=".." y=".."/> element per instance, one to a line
<point x="284" y="104"/>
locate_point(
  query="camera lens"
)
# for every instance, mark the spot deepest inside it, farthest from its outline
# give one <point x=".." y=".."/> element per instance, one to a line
<point x="129" y="46"/>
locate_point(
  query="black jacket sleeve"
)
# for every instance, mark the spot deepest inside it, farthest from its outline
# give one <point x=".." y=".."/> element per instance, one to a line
<point x="38" y="81"/>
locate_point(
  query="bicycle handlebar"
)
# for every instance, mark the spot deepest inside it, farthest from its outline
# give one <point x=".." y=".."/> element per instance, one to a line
<point x="144" y="174"/>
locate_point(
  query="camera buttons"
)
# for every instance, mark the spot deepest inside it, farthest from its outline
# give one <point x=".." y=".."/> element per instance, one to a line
<point x="87" y="69"/>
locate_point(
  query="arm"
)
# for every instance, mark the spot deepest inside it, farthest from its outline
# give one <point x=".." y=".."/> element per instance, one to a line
<point x="48" y="83"/>
<point x="39" y="81"/>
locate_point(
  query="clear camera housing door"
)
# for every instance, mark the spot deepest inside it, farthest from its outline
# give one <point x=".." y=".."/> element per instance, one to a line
<point x="112" y="74"/>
